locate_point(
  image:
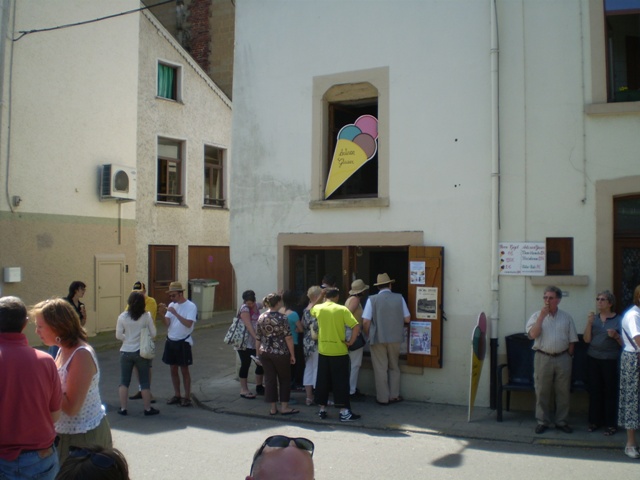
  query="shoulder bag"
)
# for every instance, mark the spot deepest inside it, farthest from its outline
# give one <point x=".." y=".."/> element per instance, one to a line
<point x="147" y="345"/>
<point x="236" y="335"/>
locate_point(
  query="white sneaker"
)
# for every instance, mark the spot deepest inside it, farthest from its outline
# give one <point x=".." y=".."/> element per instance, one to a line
<point x="631" y="452"/>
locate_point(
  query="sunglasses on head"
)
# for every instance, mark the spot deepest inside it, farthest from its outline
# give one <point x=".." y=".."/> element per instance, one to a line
<point x="100" y="460"/>
<point x="281" y="441"/>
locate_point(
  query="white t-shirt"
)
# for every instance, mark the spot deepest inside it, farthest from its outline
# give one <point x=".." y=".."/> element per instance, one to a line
<point x="176" y="330"/>
<point x="128" y="330"/>
<point x="631" y="325"/>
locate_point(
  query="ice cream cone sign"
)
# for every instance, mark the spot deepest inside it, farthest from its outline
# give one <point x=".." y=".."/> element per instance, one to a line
<point x="357" y="144"/>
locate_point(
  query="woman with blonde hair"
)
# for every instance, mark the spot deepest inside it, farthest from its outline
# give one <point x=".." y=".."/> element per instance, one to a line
<point x="310" y="344"/>
<point x="83" y="421"/>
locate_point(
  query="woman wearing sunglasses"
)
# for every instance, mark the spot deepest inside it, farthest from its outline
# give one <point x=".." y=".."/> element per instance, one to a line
<point x="281" y="458"/>
<point x="602" y="333"/>
<point x="83" y="420"/>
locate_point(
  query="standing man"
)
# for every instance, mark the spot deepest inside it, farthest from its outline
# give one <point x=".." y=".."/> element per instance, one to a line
<point x="180" y="318"/>
<point x="333" y="354"/>
<point x="30" y="400"/>
<point x="383" y="319"/>
<point x="554" y="335"/>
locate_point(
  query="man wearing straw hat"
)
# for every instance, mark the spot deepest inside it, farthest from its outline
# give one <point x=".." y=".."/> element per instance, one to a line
<point x="383" y="318"/>
<point x="180" y="318"/>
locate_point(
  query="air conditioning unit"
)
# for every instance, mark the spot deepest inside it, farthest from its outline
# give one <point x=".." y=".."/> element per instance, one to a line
<point x="117" y="182"/>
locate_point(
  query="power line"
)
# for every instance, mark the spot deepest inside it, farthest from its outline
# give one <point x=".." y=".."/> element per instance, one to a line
<point x="27" y="32"/>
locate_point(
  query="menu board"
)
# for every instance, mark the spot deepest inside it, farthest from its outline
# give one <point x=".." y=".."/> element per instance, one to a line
<point x="522" y="258"/>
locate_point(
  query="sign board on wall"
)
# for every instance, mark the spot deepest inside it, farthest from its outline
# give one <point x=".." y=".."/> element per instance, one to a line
<point x="522" y="258"/>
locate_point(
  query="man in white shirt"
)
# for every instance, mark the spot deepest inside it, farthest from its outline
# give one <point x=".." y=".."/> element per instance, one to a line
<point x="383" y="320"/>
<point x="179" y="317"/>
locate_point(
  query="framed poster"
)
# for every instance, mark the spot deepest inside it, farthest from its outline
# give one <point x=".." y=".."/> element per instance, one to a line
<point x="420" y="338"/>
<point x="427" y="303"/>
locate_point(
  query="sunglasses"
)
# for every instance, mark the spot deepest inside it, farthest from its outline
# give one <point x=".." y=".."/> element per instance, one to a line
<point x="281" y="441"/>
<point x="602" y="299"/>
<point x="100" y="460"/>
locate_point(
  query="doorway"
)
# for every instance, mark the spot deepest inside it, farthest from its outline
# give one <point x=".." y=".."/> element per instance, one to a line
<point x="626" y="248"/>
<point x="162" y="271"/>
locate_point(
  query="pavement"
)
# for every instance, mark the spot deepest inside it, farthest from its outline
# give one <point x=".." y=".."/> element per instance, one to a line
<point x="216" y="388"/>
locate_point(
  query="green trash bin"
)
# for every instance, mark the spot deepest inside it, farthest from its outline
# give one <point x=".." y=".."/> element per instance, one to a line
<point x="203" y="294"/>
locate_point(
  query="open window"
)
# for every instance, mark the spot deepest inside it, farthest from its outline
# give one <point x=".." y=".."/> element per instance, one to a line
<point x="622" y="25"/>
<point x="170" y="188"/>
<point x="213" y="176"/>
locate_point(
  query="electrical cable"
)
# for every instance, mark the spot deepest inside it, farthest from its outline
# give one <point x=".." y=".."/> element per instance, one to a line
<point x="24" y="33"/>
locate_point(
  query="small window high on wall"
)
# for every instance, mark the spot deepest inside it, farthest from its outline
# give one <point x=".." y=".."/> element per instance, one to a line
<point x="168" y="81"/>
<point x="622" y="24"/>
<point x="353" y="150"/>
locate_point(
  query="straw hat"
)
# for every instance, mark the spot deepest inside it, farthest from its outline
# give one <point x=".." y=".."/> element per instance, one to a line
<point x="357" y="287"/>
<point x="176" y="287"/>
<point x="383" y="279"/>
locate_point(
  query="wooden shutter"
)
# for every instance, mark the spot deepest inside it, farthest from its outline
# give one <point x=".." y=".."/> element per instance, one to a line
<point x="433" y="257"/>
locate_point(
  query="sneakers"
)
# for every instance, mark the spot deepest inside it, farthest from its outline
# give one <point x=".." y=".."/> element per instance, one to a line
<point x="322" y="414"/>
<point x="151" y="411"/>
<point x="631" y="452"/>
<point x="348" y="416"/>
<point x="122" y="411"/>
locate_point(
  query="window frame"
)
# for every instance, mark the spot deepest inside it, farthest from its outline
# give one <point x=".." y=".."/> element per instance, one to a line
<point x="209" y="167"/>
<point x="323" y="95"/>
<point x="599" y="101"/>
<point x="177" y="90"/>
<point x="162" y="164"/>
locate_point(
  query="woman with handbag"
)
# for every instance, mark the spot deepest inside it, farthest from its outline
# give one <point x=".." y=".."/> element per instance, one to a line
<point x="310" y="342"/>
<point x="628" y="406"/>
<point x="249" y="314"/>
<point x="275" y="348"/>
<point x="354" y="304"/>
<point x="83" y="420"/>
<point x="129" y="328"/>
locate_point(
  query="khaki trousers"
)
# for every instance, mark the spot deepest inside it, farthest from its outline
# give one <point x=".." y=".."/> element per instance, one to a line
<point x="552" y="378"/>
<point x="386" y="371"/>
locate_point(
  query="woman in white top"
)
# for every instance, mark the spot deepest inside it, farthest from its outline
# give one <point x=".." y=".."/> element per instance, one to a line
<point x="83" y="421"/>
<point x="130" y="324"/>
<point x="628" y="408"/>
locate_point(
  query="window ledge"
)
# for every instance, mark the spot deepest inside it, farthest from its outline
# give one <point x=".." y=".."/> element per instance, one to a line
<point x="213" y="207"/>
<point x="349" y="203"/>
<point x="169" y="204"/>
<point x="616" y="108"/>
<point x="558" y="280"/>
<point x="171" y="100"/>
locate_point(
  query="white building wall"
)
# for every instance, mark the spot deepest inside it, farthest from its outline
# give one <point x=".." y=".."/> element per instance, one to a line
<point x="438" y="56"/>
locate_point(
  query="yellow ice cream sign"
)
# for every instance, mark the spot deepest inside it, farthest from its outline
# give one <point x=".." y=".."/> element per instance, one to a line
<point x="357" y="144"/>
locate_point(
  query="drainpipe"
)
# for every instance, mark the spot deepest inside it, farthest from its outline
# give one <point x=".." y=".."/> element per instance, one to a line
<point x="495" y="205"/>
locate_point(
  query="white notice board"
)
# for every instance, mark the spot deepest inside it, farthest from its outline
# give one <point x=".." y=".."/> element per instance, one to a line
<point x="522" y="258"/>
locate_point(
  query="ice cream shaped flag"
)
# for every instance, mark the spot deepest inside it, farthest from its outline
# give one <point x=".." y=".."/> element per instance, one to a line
<point x="357" y="144"/>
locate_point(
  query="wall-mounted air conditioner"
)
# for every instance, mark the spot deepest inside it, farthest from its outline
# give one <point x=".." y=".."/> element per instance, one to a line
<point x="117" y="182"/>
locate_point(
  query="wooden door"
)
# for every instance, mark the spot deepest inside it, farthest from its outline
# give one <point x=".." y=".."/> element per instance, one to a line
<point x="214" y="263"/>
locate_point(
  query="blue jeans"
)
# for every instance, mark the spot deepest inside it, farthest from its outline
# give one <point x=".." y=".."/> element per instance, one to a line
<point x="127" y="361"/>
<point x="30" y="465"/>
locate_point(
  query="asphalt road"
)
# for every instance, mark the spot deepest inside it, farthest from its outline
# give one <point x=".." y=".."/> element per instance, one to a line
<point x="202" y="444"/>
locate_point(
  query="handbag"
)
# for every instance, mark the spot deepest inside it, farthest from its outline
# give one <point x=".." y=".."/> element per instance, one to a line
<point x="236" y="335"/>
<point x="147" y="345"/>
<point x="359" y="343"/>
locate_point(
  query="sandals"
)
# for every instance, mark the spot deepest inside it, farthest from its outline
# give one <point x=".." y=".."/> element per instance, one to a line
<point x="309" y="402"/>
<point x="396" y="400"/>
<point x="174" y="400"/>
<point x="293" y="411"/>
<point x="271" y="412"/>
<point x="185" y="402"/>
<point x="610" y="431"/>
<point x="248" y="396"/>
<point x="592" y="427"/>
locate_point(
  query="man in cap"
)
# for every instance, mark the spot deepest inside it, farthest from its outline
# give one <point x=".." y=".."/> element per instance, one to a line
<point x="30" y="400"/>
<point x="179" y="317"/>
<point x="383" y="319"/>
<point x="150" y="306"/>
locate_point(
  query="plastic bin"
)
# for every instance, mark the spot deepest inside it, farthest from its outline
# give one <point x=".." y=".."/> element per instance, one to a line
<point x="203" y="294"/>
